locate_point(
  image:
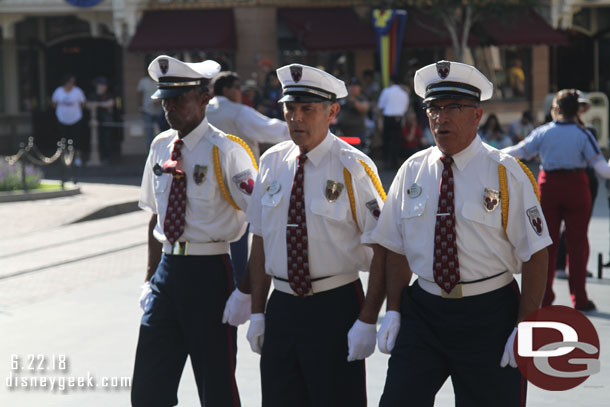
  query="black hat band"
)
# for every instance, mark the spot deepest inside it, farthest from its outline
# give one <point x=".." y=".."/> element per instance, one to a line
<point x="440" y="88"/>
<point x="288" y="90"/>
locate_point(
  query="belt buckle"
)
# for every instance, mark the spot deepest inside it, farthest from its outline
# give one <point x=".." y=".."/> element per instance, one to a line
<point x="307" y="294"/>
<point x="180" y="248"/>
<point x="453" y="294"/>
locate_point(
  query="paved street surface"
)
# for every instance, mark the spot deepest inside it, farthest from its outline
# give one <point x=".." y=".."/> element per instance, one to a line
<point x="69" y="293"/>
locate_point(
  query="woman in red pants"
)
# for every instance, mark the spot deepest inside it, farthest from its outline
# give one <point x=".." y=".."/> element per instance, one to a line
<point x="565" y="149"/>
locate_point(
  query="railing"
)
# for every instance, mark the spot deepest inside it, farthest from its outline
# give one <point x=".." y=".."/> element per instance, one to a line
<point x="29" y="152"/>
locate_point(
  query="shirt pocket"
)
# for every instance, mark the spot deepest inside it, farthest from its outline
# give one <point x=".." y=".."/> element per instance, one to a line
<point x="336" y="211"/>
<point x="476" y="212"/>
<point x="162" y="183"/>
<point x="271" y="212"/>
<point x="413" y="224"/>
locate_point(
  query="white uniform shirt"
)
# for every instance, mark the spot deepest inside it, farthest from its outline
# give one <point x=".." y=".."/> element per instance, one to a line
<point x="336" y="244"/>
<point x="69" y="110"/>
<point x="209" y="217"/>
<point x="406" y="225"/>
<point x="246" y="123"/>
<point x="393" y="101"/>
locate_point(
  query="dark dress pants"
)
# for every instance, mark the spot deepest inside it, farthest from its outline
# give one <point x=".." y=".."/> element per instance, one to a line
<point x="304" y="357"/>
<point x="459" y="338"/>
<point x="184" y="319"/>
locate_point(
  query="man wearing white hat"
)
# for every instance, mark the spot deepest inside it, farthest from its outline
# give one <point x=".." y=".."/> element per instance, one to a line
<point x="312" y="210"/>
<point x="197" y="184"/>
<point x="464" y="218"/>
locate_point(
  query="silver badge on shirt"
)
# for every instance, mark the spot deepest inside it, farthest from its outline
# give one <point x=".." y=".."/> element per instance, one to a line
<point x="491" y="199"/>
<point x="274" y="188"/>
<point x="199" y="173"/>
<point x="333" y="190"/>
<point x="414" y="191"/>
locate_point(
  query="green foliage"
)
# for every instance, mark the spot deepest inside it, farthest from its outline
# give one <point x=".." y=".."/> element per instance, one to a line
<point x="10" y="176"/>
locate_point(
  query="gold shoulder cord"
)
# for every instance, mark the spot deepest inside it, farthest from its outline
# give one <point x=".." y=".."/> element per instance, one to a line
<point x="375" y="180"/>
<point x="503" y="196"/>
<point x="504" y="199"/>
<point x="218" y="170"/>
<point x="350" y="193"/>
<point x="350" y="189"/>
<point x="531" y="177"/>
<point x="245" y="146"/>
<point x="221" y="183"/>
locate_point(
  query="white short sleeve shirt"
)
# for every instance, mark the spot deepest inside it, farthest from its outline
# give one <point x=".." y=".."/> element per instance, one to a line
<point x="337" y="244"/>
<point x="209" y="216"/>
<point x="407" y="221"/>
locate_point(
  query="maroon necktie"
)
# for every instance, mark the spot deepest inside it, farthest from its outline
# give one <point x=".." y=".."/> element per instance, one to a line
<point x="446" y="265"/>
<point x="173" y="227"/>
<point x="296" y="234"/>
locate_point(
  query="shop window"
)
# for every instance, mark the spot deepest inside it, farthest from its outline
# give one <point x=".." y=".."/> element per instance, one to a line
<point x="508" y="68"/>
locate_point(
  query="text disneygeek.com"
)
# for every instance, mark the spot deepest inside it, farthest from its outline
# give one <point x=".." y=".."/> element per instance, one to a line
<point x="50" y="373"/>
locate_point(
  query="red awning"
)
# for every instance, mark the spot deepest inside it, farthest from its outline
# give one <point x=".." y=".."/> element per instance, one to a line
<point x="325" y="29"/>
<point x="424" y="31"/>
<point x="185" y="29"/>
<point x="525" y="27"/>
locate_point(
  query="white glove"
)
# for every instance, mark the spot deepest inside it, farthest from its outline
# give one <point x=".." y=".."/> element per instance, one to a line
<point x="508" y="357"/>
<point x="361" y="340"/>
<point x="145" y="295"/>
<point x="256" y="332"/>
<point x="386" y="337"/>
<point x="237" y="308"/>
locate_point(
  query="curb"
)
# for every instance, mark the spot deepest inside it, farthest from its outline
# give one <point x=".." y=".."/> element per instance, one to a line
<point x="36" y="195"/>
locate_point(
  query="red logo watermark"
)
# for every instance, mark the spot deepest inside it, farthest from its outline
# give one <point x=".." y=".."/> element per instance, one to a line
<point x="557" y="348"/>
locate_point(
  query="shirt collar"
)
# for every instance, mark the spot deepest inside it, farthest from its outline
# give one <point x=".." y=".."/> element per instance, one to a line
<point x="192" y="139"/>
<point x="316" y="155"/>
<point x="462" y="158"/>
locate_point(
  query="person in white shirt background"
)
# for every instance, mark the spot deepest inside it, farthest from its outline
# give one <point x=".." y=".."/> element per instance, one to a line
<point x="393" y="104"/>
<point x="69" y="100"/>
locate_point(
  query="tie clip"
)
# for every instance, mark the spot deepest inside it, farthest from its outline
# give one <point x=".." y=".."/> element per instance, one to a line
<point x="292" y="225"/>
<point x="443" y="214"/>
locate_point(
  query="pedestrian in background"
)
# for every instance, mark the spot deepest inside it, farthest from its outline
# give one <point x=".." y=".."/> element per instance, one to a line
<point x="69" y="100"/>
<point x="197" y="184"/>
<point x="152" y="113"/>
<point x="314" y="204"/>
<point x="459" y="318"/>
<point x="520" y="129"/>
<point x="354" y="108"/>
<point x="565" y="149"/>
<point x="103" y="102"/>
<point x="393" y="104"/>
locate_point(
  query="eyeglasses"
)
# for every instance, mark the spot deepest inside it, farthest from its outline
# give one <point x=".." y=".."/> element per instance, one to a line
<point x="451" y="110"/>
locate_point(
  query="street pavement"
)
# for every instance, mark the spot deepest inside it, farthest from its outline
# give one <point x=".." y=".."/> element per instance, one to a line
<point x="69" y="292"/>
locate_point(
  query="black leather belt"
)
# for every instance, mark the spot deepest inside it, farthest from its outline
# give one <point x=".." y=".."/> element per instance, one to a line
<point x="564" y="170"/>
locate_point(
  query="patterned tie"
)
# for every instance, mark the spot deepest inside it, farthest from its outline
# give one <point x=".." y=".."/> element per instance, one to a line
<point x="173" y="227"/>
<point x="296" y="235"/>
<point x="446" y="265"/>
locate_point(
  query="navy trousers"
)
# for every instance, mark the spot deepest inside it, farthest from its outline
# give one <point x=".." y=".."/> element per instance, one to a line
<point x="462" y="338"/>
<point x="184" y="319"/>
<point x="304" y="356"/>
<point x="239" y="256"/>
